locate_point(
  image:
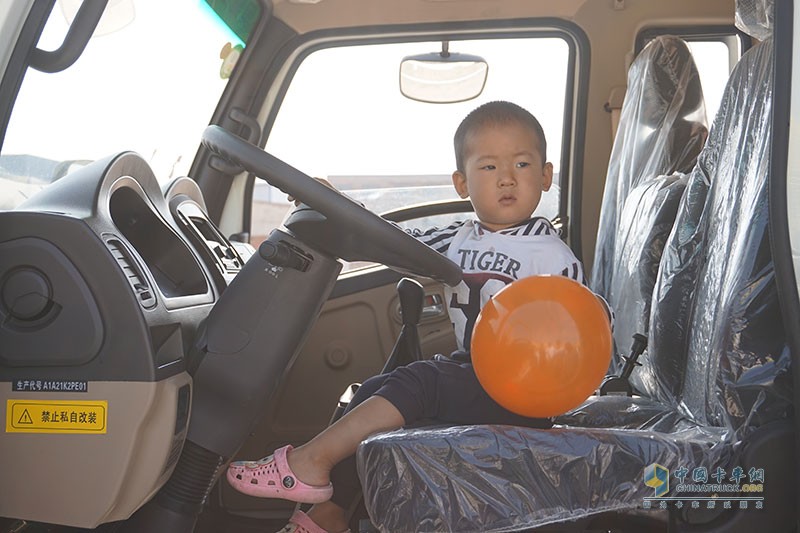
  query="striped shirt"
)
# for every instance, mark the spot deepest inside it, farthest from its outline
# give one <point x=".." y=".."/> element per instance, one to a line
<point x="491" y="260"/>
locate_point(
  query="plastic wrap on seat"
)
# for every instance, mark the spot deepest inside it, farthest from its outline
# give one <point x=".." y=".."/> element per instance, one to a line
<point x="644" y="225"/>
<point x="718" y="263"/>
<point x="686" y="251"/>
<point x="754" y="17"/>
<point x="623" y="412"/>
<point x="736" y="310"/>
<point x="661" y="130"/>
<point x="664" y="362"/>
<point x="717" y="363"/>
<point x="504" y="478"/>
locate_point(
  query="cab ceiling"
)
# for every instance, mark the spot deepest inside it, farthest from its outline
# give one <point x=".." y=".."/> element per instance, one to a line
<point x="337" y="13"/>
<point x="304" y="17"/>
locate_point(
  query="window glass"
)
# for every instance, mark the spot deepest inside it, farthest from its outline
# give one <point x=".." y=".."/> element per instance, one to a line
<point x="344" y="118"/>
<point x="711" y="58"/>
<point x="138" y="87"/>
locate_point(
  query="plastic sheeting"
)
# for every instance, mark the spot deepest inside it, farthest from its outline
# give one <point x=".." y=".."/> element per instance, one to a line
<point x="622" y="412"/>
<point x="754" y="17"/>
<point x="503" y="478"/>
<point x="740" y="139"/>
<point x="739" y="268"/>
<point x="717" y="366"/>
<point x="716" y="291"/>
<point x="661" y="130"/>
<point x="644" y="225"/>
<point x="664" y="362"/>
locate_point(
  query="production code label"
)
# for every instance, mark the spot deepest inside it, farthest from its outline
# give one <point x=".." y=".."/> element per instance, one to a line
<point x="56" y="416"/>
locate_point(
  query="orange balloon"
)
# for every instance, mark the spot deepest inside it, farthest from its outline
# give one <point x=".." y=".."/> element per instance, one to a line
<point x="541" y="345"/>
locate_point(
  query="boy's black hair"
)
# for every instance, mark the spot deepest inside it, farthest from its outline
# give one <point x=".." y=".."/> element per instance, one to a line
<point x="493" y="114"/>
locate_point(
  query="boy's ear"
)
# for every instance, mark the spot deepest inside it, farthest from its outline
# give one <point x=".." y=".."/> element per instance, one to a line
<point x="547" y="172"/>
<point x="460" y="183"/>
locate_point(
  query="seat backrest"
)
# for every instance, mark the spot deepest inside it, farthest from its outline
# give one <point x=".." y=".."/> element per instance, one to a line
<point x="715" y="309"/>
<point x="644" y="225"/>
<point x="737" y="364"/>
<point x="663" y="364"/>
<point x="661" y="130"/>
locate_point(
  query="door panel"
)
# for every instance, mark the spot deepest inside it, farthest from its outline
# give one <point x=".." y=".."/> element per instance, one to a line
<point x="350" y="342"/>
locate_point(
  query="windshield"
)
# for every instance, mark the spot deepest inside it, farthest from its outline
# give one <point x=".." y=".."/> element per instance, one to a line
<point x="150" y="86"/>
<point x="388" y="151"/>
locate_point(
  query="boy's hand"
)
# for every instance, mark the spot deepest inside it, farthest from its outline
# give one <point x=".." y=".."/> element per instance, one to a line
<point x="322" y="181"/>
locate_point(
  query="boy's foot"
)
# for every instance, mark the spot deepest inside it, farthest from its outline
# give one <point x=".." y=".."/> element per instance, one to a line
<point x="301" y="523"/>
<point x="271" y="477"/>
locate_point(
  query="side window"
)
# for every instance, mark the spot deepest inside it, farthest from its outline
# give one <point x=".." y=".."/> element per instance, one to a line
<point x="344" y="118"/>
<point x="61" y="121"/>
<point x="715" y="51"/>
<point x="714" y="66"/>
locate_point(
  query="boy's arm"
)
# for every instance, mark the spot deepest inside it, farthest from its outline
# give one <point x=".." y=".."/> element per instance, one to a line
<point x="574" y="271"/>
<point x="609" y="311"/>
<point x="437" y="238"/>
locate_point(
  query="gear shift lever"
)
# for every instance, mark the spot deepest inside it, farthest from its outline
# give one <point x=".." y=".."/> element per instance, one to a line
<point x="407" y="348"/>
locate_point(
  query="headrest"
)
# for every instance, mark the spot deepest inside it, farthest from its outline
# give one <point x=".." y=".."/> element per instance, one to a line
<point x="667" y="81"/>
<point x="754" y="17"/>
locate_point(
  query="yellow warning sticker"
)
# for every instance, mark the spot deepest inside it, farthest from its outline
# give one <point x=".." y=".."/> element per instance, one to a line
<point x="56" y="416"/>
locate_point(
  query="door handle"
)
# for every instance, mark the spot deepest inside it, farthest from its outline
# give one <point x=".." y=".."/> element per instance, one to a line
<point x="433" y="306"/>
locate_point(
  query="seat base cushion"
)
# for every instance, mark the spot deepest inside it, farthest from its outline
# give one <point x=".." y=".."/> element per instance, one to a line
<point x="505" y="478"/>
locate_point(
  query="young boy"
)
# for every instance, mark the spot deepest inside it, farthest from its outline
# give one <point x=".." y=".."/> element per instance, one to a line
<point x="502" y="168"/>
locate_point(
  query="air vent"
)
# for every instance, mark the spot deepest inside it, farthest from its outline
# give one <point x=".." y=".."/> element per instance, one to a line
<point x="132" y="272"/>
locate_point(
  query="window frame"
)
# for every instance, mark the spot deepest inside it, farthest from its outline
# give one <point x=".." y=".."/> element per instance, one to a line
<point x="725" y="34"/>
<point x="19" y="60"/>
<point x="280" y="74"/>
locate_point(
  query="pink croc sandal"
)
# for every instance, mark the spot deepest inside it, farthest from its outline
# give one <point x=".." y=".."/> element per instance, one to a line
<point x="301" y="523"/>
<point x="271" y="477"/>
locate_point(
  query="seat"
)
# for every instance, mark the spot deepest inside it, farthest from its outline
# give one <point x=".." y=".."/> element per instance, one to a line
<point x="661" y="131"/>
<point x="664" y="88"/>
<point x="728" y="410"/>
<point x="645" y="223"/>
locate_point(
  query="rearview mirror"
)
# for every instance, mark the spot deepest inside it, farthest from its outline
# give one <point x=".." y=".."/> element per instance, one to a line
<point x="443" y="77"/>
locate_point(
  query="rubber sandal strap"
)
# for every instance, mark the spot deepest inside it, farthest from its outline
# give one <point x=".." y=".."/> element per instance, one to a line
<point x="288" y="479"/>
<point x="271" y="477"/>
<point x="306" y="525"/>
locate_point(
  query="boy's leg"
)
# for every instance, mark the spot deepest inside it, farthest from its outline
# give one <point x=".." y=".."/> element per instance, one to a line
<point x="313" y="461"/>
<point x="332" y="515"/>
<point x="461" y="399"/>
<point x="447" y="392"/>
<point x="440" y="390"/>
<point x="346" y="485"/>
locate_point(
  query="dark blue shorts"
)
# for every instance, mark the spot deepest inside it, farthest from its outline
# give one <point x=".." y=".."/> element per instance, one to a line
<point x="432" y="391"/>
<point x="445" y="391"/>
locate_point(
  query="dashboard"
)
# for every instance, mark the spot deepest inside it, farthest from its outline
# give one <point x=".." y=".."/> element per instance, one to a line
<point x="106" y="281"/>
<point x="111" y="222"/>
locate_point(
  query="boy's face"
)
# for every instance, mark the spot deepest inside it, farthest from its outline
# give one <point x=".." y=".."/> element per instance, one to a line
<point x="504" y="175"/>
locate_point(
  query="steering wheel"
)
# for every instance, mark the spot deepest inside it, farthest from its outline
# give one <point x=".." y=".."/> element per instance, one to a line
<point x="365" y="235"/>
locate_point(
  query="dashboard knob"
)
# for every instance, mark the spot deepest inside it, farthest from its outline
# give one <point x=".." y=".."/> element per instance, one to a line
<point x="26" y="294"/>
